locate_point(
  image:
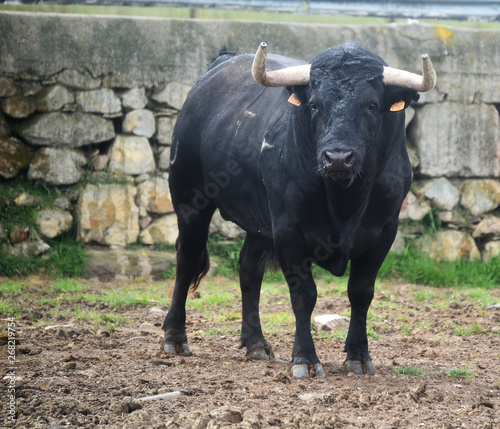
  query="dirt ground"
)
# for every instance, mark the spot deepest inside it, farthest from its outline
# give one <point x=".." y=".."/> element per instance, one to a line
<point x="82" y="376"/>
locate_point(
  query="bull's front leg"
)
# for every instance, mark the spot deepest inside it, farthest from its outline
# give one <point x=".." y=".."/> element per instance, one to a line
<point x="296" y="266"/>
<point x="361" y="287"/>
<point x="360" y="290"/>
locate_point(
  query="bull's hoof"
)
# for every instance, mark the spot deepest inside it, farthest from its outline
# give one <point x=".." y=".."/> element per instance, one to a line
<point x="261" y="353"/>
<point x="177" y="349"/>
<point x="359" y="367"/>
<point x="304" y="370"/>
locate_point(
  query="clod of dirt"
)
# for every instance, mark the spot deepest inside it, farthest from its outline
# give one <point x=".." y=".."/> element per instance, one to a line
<point x="126" y="405"/>
<point x="417" y="391"/>
<point x="281" y="377"/>
<point x="228" y="415"/>
<point x="103" y="332"/>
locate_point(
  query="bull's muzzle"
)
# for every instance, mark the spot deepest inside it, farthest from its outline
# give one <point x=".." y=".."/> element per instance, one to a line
<point x="338" y="165"/>
<point x="338" y="161"/>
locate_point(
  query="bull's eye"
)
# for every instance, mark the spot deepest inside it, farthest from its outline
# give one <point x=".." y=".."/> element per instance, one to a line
<point x="313" y="105"/>
<point x="373" y="106"/>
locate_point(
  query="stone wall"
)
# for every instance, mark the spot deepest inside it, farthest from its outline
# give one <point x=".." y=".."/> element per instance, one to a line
<point x="88" y="104"/>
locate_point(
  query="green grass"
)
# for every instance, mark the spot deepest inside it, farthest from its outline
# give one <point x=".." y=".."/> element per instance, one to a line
<point x="460" y="372"/>
<point x="65" y="285"/>
<point x="228" y="253"/>
<point x="468" y="330"/>
<point x="414" y="267"/>
<point x="66" y="257"/>
<point x="240" y="14"/>
<point x="410" y="267"/>
<point x="12" y="287"/>
<point x="409" y="371"/>
<point x="109" y="320"/>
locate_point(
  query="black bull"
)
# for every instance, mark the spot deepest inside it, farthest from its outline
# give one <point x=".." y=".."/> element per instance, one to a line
<point x="320" y="181"/>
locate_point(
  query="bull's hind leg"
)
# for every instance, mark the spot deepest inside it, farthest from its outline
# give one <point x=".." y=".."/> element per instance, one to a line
<point x="192" y="264"/>
<point x="252" y="266"/>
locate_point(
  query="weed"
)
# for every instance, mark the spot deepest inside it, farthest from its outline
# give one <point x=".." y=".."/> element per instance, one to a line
<point x="409" y="371"/>
<point x="372" y="334"/>
<point x="460" y="372"/>
<point x="227" y="251"/>
<point x="65" y="285"/>
<point x="66" y="259"/>
<point x="108" y="320"/>
<point x="9" y="309"/>
<point x="277" y="321"/>
<point x="415" y="267"/>
<point x="465" y="331"/>
<point x="12" y="287"/>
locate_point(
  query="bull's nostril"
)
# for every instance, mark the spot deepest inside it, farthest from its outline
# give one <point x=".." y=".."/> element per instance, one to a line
<point x="349" y="159"/>
<point x="338" y="160"/>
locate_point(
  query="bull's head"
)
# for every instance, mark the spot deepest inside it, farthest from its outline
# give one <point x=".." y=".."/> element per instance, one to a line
<point x="350" y="96"/>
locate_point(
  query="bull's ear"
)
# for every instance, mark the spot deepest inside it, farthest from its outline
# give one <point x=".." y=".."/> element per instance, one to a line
<point x="398" y="99"/>
<point x="297" y="94"/>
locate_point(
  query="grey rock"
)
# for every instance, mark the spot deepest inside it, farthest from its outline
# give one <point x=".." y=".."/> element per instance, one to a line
<point x="7" y="87"/>
<point x="162" y="231"/>
<point x="164" y="159"/>
<point x="4" y="127"/>
<point x="57" y="166"/>
<point x="76" y="80"/>
<point x="165" y="127"/>
<point x="139" y="122"/>
<point x="26" y="199"/>
<point x="63" y="203"/>
<point x="108" y="264"/>
<point x="107" y="214"/>
<point x="154" y="195"/>
<point x="135" y="99"/>
<point x="448" y="246"/>
<point x="67" y="129"/>
<point x="101" y="100"/>
<point x="18" y="106"/>
<point x="457" y="140"/>
<point x="480" y="196"/>
<point x="414" y="158"/>
<point x="100" y="162"/>
<point x="173" y="94"/>
<point x="29" y="248"/>
<point x="54" y="98"/>
<point x="442" y="194"/>
<point x="15" y="156"/>
<point x="491" y="250"/>
<point x="144" y="221"/>
<point x="414" y="208"/>
<point x="52" y="222"/>
<point x="330" y="322"/>
<point x="131" y="155"/>
<point x="224" y="227"/>
<point x="489" y="227"/>
<point x="399" y="244"/>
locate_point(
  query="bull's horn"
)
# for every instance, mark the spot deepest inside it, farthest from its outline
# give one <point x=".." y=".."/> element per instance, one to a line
<point x="424" y="83"/>
<point x="296" y="75"/>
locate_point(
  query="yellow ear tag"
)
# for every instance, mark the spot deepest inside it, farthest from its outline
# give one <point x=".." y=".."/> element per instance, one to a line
<point x="396" y="107"/>
<point x="294" y="100"/>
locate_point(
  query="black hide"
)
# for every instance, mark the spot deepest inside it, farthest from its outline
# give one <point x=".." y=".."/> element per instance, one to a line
<point x="320" y="183"/>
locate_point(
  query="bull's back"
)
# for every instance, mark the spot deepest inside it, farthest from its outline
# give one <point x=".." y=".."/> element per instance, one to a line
<point x="218" y="137"/>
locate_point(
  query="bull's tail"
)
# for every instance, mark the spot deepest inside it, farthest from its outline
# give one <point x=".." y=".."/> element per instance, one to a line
<point x="202" y="269"/>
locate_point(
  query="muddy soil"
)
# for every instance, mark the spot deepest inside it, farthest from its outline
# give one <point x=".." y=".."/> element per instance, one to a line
<point x="83" y="376"/>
